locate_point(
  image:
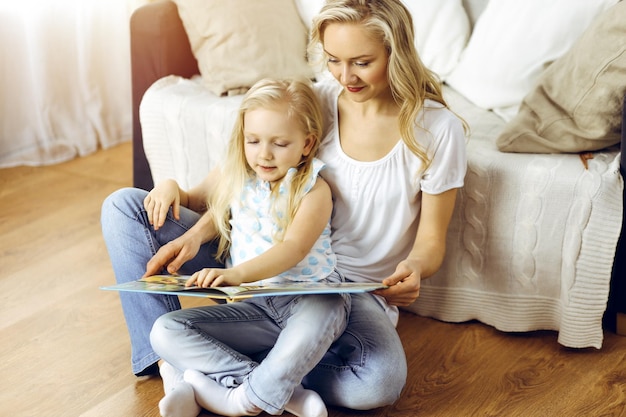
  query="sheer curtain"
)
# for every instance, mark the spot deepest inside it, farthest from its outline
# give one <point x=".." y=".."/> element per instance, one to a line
<point x="64" y="78"/>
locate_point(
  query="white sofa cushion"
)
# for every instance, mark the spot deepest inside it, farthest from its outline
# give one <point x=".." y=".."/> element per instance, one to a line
<point x="511" y="44"/>
<point x="442" y="30"/>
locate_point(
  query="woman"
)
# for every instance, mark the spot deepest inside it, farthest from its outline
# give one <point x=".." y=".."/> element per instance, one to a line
<point x="394" y="155"/>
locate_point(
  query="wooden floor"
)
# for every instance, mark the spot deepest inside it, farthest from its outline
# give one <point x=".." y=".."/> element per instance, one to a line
<point x="65" y="350"/>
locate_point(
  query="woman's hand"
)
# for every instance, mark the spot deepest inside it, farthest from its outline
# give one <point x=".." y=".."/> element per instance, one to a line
<point x="157" y="203"/>
<point x="178" y="251"/>
<point x="173" y="255"/>
<point x="404" y="284"/>
<point x="214" y="277"/>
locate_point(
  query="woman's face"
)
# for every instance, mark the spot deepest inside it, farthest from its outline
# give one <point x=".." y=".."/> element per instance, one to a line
<point x="358" y="61"/>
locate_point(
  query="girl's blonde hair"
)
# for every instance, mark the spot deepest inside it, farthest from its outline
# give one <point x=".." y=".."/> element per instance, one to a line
<point x="303" y="107"/>
<point x="411" y="83"/>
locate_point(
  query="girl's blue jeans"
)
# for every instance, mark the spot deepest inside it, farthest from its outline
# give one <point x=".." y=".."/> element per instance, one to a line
<point x="267" y="344"/>
<point x="364" y="368"/>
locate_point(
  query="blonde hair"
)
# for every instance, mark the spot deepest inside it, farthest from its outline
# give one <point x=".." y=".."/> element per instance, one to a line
<point x="303" y="107"/>
<point x="411" y="83"/>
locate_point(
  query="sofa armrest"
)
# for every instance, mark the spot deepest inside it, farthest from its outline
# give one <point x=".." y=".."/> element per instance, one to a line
<point x="159" y="46"/>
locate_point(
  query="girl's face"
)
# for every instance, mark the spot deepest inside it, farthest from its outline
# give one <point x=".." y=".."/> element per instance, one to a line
<point x="273" y="142"/>
<point x="357" y="61"/>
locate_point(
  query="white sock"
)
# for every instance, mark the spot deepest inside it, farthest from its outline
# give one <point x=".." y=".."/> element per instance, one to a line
<point x="170" y="376"/>
<point x="219" y="399"/>
<point x="179" y="401"/>
<point x="306" y="403"/>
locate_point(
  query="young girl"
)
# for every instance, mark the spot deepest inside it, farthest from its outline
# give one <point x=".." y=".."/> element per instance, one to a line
<point x="271" y="214"/>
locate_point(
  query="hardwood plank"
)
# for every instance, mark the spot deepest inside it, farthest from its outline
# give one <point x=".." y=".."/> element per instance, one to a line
<point x="133" y="400"/>
<point x="65" y="356"/>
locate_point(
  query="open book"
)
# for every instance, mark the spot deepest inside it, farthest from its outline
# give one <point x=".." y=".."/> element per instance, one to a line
<point x="175" y="285"/>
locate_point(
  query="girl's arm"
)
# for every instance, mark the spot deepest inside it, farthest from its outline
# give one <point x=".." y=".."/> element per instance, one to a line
<point x="428" y="250"/>
<point x="197" y="197"/>
<point x="178" y="251"/>
<point x="168" y="194"/>
<point x="308" y="224"/>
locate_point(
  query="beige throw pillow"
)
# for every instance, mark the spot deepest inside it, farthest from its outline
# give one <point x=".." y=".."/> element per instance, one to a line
<point x="577" y="104"/>
<point x="238" y="42"/>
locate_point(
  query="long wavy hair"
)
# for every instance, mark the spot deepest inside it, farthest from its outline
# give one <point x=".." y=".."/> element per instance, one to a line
<point x="303" y="107"/>
<point x="411" y="83"/>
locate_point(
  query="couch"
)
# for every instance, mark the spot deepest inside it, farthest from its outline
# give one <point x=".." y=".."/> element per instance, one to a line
<point x="536" y="240"/>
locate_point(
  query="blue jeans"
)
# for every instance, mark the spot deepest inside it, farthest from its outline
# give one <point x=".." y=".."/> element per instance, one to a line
<point x="267" y="344"/>
<point x="364" y="368"/>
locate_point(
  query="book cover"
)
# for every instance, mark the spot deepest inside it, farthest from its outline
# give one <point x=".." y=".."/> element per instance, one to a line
<point x="175" y="285"/>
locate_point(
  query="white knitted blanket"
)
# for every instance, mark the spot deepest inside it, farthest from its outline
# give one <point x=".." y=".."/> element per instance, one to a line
<point x="532" y="240"/>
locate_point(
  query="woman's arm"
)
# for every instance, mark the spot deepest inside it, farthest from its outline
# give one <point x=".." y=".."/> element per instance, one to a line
<point x="308" y="224"/>
<point x="428" y="250"/>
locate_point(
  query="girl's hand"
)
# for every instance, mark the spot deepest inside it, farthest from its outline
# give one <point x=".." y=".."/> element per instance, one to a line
<point x="158" y="201"/>
<point x="404" y="284"/>
<point x="214" y="277"/>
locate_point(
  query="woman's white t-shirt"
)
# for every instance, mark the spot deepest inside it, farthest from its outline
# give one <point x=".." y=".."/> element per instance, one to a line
<point x="377" y="203"/>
